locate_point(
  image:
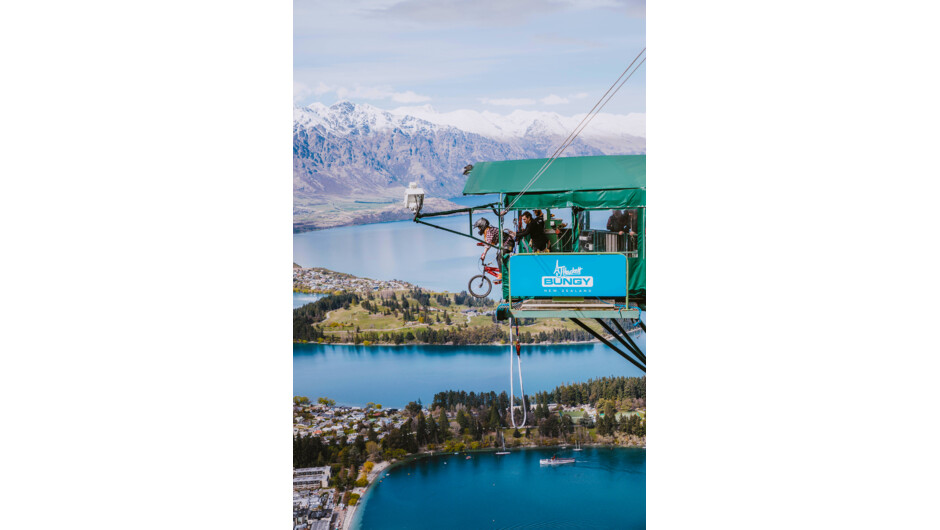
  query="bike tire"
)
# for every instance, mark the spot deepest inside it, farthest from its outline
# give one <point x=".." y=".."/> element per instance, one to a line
<point x="482" y="288"/>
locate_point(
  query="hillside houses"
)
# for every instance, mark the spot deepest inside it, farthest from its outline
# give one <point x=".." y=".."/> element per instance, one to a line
<point x="340" y="421"/>
<point x="326" y="281"/>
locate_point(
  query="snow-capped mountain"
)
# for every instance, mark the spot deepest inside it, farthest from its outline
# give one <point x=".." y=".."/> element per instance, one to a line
<point x="360" y="152"/>
<point x="521" y="123"/>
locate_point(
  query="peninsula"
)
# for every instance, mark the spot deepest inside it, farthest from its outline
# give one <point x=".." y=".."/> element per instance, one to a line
<point x="364" y="311"/>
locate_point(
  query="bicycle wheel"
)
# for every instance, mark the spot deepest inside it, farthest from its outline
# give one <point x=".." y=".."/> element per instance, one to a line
<point x="480" y="286"/>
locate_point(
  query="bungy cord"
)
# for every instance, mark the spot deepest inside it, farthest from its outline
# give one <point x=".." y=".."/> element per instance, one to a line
<point x="518" y="347"/>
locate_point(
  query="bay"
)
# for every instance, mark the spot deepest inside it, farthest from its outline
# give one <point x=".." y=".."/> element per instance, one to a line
<point x="305" y="298"/>
<point x="395" y="375"/>
<point x="604" y="488"/>
<point x="401" y="250"/>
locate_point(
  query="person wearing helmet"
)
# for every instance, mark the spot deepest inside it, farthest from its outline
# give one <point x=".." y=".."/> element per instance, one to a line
<point x="481" y="225"/>
<point x="489" y="234"/>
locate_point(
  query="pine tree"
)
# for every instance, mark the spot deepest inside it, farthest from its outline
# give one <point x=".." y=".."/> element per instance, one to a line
<point x="462" y="420"/>
<point x="443" y="425"/>
<point x="433" y="434"/>
<point x="422" y="431"/>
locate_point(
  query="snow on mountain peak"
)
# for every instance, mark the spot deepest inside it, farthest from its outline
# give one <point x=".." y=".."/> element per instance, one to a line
<point x="345" y="117"/>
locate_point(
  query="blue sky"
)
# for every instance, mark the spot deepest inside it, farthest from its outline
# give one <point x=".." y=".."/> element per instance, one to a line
<point x="558" y="56"/>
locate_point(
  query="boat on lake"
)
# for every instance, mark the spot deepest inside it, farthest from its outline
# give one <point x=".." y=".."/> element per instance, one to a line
<point x="555" y="461"/>
<point x="503" y="451"/>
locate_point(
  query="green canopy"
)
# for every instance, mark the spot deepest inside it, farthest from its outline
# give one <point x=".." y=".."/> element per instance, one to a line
<point x="589" y="200"/>
<point x="588" y="182"/>
<point x="577" y="173"/>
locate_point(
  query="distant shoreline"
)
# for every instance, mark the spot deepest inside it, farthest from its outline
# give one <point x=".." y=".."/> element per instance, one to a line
<point x="374" y="216"/>
<point x="450" y="345"/>
<point x="301" y="228"/>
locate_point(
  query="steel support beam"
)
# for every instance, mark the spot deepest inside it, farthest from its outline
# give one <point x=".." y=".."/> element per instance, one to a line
<point x="626" y="335"/>
<point x="629" y="346"/>
<point x="609" y="345"/>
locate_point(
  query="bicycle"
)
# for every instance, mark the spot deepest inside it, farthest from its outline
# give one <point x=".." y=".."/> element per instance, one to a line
<point x="479" y="285"/>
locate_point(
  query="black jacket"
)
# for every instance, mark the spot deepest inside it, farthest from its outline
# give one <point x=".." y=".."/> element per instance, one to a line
<point x="616" y="223"/>
<point x="535" y="229"/>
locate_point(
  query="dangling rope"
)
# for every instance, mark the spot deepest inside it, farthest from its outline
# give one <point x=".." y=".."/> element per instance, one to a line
<point x="518" y="348"/>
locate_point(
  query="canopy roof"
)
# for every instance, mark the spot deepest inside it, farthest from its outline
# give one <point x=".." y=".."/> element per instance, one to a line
<point x="577" y="173"/>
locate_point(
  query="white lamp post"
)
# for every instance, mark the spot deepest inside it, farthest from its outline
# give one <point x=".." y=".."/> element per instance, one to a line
<point x="414" y="197"/>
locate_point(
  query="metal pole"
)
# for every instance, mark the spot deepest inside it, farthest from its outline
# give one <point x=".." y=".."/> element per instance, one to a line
<point x="454" y="232"/>
<point x="637" y="354"/>
<point x="609" y="345"/>
<point x="634" y="348"/>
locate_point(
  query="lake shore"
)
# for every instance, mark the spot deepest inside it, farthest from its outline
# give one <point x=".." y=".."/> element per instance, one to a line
<point x="386" y="344"/>
<point x="354" y="514"/>
<point x="350" y="515"/>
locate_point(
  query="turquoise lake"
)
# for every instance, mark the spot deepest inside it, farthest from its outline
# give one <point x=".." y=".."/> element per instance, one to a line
<point x="604" y="488"/>
<point x="304" y="298"/>
<point x="395" y="375"/>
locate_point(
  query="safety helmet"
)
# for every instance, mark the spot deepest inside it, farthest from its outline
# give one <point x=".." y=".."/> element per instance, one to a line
<point x="481" y="225"/>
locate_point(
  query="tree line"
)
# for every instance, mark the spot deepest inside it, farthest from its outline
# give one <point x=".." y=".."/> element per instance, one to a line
<point x="475" y="416"/>
<point x="625" y="393"/>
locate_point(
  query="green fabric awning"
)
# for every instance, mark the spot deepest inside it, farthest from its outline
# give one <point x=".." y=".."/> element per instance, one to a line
<point x="588" y="182"/>
<point x="577" y="173"/>
<point x="637" y="276"/>
<point x="589" y="200"/>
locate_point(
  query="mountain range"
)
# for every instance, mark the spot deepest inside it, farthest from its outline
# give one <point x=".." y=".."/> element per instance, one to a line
<point x="353" y="161"/>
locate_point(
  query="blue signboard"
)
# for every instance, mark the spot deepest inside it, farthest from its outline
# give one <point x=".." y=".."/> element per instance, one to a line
<point x="552" y="274"/>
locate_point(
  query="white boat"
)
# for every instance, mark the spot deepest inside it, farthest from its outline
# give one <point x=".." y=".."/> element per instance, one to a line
<point x="555" y="461"/>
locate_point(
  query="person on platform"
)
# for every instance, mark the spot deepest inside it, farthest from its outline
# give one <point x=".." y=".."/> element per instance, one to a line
<point x="535" y="229"/>
<point x="615" y="222"/>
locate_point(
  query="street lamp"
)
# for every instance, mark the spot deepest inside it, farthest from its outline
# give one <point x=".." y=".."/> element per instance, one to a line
<point x="414" y="197"/>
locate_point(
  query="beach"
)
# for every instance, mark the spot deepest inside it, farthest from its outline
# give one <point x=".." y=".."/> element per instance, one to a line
<point x="350" y="511"/>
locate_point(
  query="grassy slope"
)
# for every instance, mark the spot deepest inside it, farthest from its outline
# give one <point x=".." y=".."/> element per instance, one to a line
<point x="349" y="319"/>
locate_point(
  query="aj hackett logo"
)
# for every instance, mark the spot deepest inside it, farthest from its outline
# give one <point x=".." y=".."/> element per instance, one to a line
<point x="565" y="277"/>
<point x="568" y="274"/>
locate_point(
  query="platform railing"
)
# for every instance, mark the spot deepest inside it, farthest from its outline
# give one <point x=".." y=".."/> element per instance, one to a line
<point x="607" y="241"/>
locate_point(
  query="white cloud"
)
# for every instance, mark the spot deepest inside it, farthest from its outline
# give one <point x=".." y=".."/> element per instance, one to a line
<point x="378" y="92"/>
<point x="301" y="91"/>
<point x="553" y="100"/>
<point x="409" y="97"/>
<point x="579" y="95"/>
<point x="509" y="102"/>
<point x="492" y="12"/>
